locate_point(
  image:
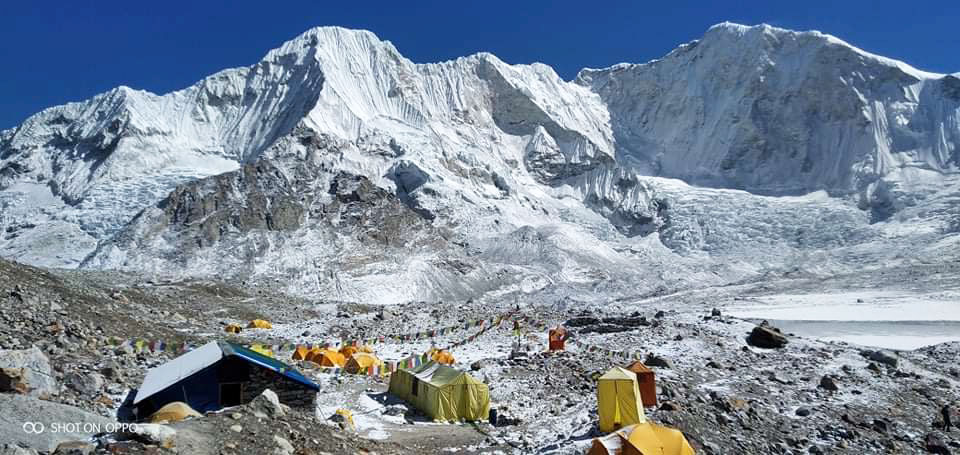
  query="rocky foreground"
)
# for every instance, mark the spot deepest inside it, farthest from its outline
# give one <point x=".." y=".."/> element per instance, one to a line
<point x="730" y="385"/>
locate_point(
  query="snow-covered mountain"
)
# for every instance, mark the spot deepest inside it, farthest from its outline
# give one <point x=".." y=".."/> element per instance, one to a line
<point x="338" y="168"/>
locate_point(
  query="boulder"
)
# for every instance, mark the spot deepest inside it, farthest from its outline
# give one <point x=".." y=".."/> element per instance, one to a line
<point x="283" y="446"/>
<point x="87" y="384"/>
<point x="934" y="444"/>
<point x="14" y="380"/>
<point x="7" y="449"/>
<point x="75" y="448"/>
<point x="653" y="360"/>
<point x="20" y="409"/>
<point x="766" y="337"/>
<point x="269" y="404"/>
<point x="885" y="357"/>
<point x="154" y="433"/>
<point x="829" y="383"/>
<point x="26" y="371"/>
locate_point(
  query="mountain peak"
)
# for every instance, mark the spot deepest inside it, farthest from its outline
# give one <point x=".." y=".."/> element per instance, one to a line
<point x="755" y="33"/>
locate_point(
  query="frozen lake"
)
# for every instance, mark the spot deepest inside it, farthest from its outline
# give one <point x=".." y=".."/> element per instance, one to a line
<point x="881" y="319"/>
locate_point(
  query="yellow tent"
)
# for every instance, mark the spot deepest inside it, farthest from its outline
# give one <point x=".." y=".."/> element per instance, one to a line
<point x="259" y="348"/>
<point x="348" y="351"/>
<point x="173" y="412"/>
<point x="618" y="400"/>
<point x="360" y="361"/>
<point x="442" y="392"/>
<point x="642" y="439"/>
<point x="259" y="324"/>
<point x="443" y="357"/>
<point x="326" y="357"/>
<point x="300" y="353"/>
<point x="233" y="328"/>
<point x="650" y="438"/>
<point x="366" y="348"/>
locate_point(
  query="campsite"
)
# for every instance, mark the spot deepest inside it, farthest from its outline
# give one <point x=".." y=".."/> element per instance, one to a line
<point x="711" y="385"/>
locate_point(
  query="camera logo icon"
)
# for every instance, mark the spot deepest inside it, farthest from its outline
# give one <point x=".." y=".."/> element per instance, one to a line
<point x="33" y="427"/>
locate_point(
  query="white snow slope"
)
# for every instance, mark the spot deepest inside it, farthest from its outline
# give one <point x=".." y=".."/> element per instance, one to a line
<point x="750" y="151"/>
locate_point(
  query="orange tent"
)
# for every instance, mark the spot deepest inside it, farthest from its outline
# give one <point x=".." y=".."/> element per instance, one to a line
<point x="326" y="357"/>
<point x="557" y="337"/>
<point x="300" y="353"/>
<point x="646" y="382"/>
<point x="443" y="357"/>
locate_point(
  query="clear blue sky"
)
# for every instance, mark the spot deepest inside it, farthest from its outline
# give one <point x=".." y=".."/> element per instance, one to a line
<point x="53" y="53"/>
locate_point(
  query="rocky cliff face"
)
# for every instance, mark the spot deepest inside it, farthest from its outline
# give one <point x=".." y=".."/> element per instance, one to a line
<point x="460" y="156"/>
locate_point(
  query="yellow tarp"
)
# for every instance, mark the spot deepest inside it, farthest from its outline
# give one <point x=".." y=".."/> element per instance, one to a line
<point x="618" y="400"/>
<point x="361" y="361"/>
<point x="259" y="324"/>
<point x="233" y="328"/>
<point x="173" y="412"/>
<point x="442" y="392"/>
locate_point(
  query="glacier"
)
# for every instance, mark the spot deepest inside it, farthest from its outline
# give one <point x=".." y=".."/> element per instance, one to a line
<point x="338" y="169"/>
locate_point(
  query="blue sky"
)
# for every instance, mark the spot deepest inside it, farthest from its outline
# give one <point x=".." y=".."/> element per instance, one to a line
<point x="55" y="53"/>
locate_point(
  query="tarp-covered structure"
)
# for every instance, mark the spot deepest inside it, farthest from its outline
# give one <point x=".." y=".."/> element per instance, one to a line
<point x="216" y="375"/>
<point x="618" y="400"/>
<point x="645" y="438"/>
<point x="442" y="392"/>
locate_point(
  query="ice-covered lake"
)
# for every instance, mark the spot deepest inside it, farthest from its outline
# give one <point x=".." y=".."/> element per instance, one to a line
<point x="892" y="320"/>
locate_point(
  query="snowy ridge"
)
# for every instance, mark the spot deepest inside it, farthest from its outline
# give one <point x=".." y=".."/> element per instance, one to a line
<point x="753" y="150"/>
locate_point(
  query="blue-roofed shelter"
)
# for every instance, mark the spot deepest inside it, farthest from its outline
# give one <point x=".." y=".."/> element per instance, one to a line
<point x="220" y="374"/>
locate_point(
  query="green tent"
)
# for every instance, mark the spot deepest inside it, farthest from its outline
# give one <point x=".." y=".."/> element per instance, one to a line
<point x="442" y="392"/>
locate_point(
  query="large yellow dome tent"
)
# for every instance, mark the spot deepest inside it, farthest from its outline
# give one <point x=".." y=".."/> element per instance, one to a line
<point x="618" y="400"/>
<point x="360" y="361"/>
